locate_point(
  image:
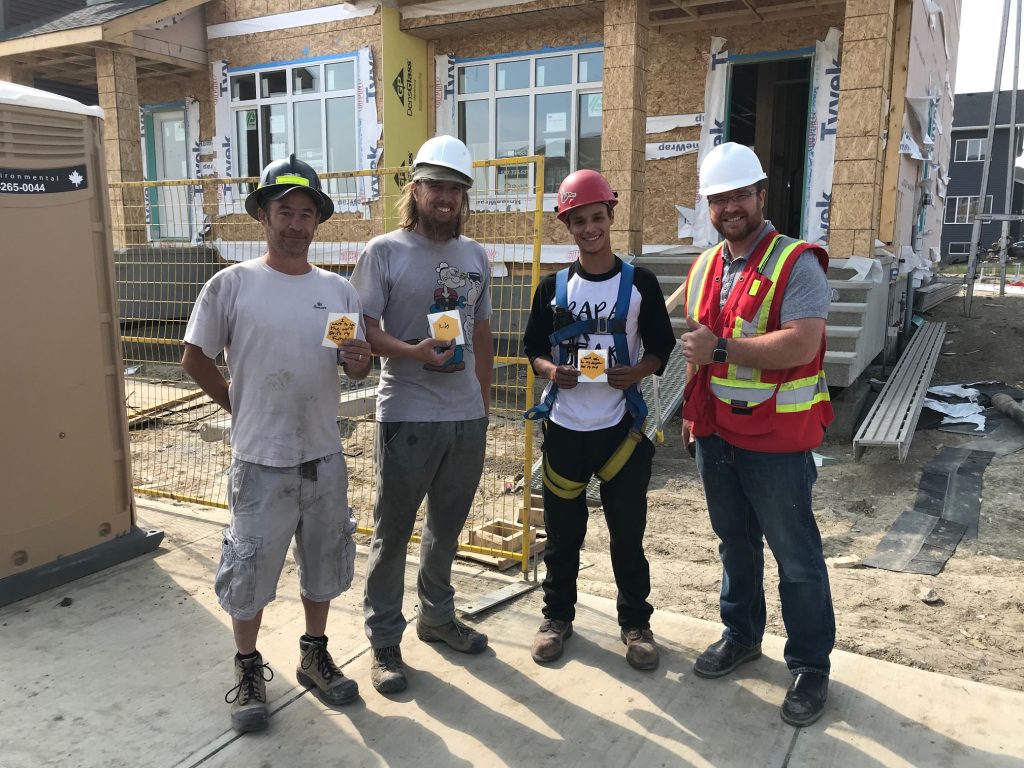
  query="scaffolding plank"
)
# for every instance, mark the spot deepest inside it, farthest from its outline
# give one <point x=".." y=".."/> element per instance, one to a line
<point x="893" y="417"/>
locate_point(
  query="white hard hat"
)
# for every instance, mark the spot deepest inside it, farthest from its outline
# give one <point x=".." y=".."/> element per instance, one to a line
<point x="729" y="166"/>
<point x="446" y="152"/>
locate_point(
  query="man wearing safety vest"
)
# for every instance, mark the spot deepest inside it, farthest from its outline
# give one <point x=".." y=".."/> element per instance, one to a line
<point x="756" y="403"/>
<point x="584" y="336"/>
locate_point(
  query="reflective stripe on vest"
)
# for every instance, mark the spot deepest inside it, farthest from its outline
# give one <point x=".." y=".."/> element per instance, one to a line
<point x="801" y="394"/>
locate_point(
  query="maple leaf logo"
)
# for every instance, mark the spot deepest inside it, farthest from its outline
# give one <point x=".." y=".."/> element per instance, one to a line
<point x="76" y="178"/>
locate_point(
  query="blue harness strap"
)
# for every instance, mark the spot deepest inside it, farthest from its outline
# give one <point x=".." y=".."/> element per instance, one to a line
<point x="615" y="326"/>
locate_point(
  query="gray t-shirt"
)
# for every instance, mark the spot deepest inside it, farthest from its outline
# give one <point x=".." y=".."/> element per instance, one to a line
<point x="402" y="277"/>
<point x="807" y="293"/>
<point x="284" y="387"/>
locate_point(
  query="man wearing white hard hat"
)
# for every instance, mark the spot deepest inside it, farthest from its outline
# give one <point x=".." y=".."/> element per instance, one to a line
<point x="756" y="404"/>
<point x="432" y="402"/>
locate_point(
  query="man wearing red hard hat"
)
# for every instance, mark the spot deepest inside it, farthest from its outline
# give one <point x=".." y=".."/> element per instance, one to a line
<point x="584" y="336"/>
<point x="756" y="404"/>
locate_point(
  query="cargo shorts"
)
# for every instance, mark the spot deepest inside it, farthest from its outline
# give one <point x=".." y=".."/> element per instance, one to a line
<point x="272" y="508"/>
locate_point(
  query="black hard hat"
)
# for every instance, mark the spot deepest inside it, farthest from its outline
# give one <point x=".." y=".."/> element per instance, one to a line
<point x="282" y="176"/>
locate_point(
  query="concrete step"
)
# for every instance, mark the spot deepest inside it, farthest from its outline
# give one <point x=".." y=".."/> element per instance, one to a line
<point x="839" y="368"/>
<point x="850" y="290"/>
<point x="669" y="283"/>
<point x="667" y="265"/>
<point x="842" y="338"/>
<point x="847" y="313"/>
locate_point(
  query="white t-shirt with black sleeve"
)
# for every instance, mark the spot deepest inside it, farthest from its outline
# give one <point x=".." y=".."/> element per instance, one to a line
<point x="597" y="405"/>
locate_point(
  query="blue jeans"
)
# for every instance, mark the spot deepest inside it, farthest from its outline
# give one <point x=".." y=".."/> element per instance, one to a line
<point x="753" y="496"/>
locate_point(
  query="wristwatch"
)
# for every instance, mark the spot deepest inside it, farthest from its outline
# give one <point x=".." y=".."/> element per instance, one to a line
<point x="721" y="353"/>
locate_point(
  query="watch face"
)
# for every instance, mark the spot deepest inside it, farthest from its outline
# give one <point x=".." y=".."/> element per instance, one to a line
<point x="719" y="355"/>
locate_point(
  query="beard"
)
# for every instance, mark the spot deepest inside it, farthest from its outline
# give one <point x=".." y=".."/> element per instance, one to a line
<point x="439" y="229"/>
<point x="739" y="229"/>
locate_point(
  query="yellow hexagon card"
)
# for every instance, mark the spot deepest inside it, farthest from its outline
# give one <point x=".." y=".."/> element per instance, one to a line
<point x="593" y="363"/>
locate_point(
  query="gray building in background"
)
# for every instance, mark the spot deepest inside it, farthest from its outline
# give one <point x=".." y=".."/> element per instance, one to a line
<point x="967" y="154"/>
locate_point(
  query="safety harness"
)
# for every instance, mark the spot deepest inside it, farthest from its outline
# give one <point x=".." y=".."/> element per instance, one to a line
<point x="566" y="328"/>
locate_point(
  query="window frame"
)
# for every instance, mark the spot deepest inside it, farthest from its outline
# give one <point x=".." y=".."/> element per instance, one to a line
<point x="966" y="248"/>
<point x="953" y="203"/>
<point x="289" y="100"/>
<point x="574" y="89"/>
<point x="967" y="143"/>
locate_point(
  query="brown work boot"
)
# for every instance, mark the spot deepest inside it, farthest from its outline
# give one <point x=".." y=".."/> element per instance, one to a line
<point x="248" y="699"/>
<point x="641" y="652"/>
<point x="317" y="670"/>
<point x="455" y="634"/>
<point x="549" y="642"/>
<point x="387" y="670"/>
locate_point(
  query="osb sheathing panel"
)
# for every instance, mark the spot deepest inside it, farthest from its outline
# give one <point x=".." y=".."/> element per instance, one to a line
<point x="868" y="7"/>
<point x="552" y="14"/>
<point x="840" y="242"/>
<point x="159" y="90"/>
<point x="852" y="206"/>
<point x="222" y="11"/>
<point x="869" y="27"/>
<point x="299" y="43"/>
<point x="866" y="63"/>
<point x="523" y="38"/>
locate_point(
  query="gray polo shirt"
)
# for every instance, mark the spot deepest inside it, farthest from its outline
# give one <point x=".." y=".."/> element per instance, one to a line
<point x="807" y="293"/>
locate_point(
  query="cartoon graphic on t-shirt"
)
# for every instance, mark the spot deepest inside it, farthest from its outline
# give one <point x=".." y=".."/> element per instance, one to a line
<point x="446" y="297"/>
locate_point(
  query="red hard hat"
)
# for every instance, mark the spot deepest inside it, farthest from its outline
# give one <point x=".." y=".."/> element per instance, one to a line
<point x="583" y="188"/>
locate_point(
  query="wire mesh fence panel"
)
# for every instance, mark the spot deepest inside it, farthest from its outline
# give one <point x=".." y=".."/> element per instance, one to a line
<point x="171" y="237"/>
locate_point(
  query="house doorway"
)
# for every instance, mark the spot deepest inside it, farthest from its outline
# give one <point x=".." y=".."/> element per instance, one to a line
<point x="767" y="109"/>
<point x="167" y="159"/>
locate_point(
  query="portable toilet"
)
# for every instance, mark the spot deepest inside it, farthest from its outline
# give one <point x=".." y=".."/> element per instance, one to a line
<point x="66" y="505"/>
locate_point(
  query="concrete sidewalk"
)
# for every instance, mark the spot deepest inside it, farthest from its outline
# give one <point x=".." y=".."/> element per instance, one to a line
<point x="133" y="673"/>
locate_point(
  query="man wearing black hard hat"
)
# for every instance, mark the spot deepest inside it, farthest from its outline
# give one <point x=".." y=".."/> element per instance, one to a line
<point x="274" y="319"/>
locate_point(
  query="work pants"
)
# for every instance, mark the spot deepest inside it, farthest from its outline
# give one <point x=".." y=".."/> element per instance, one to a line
<point x="576" y="456"/>
<point x="442" y="461"/>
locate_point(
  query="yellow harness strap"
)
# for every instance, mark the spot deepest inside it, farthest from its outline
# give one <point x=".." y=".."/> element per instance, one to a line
<point x="565" y="488"/>
<point x="621" y="456"/>
<point x="561" y="486"/>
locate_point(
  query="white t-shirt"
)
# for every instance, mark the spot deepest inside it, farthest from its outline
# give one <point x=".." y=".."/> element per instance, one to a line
<point x="284" y="384"/>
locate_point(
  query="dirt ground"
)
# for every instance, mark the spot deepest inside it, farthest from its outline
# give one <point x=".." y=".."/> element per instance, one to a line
<point x="975" y="630"/>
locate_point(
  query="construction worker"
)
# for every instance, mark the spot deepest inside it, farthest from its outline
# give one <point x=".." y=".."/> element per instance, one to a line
<point x="432" y="402"/>
<point x="587" y="322"/>
<point x="288" y="480"/>
<point x="756" y="403"/>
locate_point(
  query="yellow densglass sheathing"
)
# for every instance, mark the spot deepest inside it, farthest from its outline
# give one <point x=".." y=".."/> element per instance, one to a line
<point x="172" y="236"/>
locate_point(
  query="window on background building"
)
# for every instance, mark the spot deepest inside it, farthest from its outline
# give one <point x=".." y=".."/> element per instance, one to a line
<point x="969" y="150"/>
<point x="961" y="210"/>
<point x="308" y="108"/>
<point x="959" y="249"/>
<point x="546" y="104"/>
